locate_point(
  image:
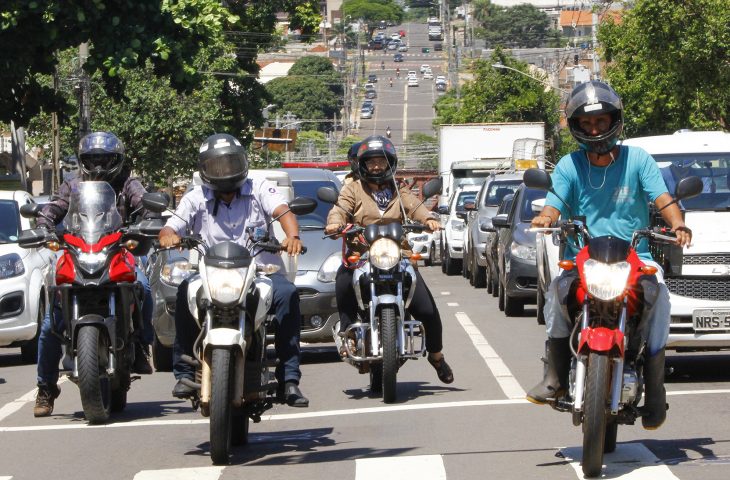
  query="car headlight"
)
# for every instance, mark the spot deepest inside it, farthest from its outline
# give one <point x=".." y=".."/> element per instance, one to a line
<point x="175" y="271"/>
<point x="225" y="284"/>
<point x="457" y="225"/>
<point x="91" y="262"/>
<point x="11" y="265"/>
<point x="606" y="281"/>
<point x="522" y="251"/>
<point x="328" y="271"/>
<point x="384" y="253"/>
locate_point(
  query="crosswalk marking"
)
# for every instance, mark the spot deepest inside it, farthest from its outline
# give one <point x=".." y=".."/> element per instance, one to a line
<point x="452" y="304"/>
<point x="630" y="461"/>
<point x="12" y="407"/>
<point x="496" y="365"/>
<point x="422" y="467"/>
<point x="197" y="473"/>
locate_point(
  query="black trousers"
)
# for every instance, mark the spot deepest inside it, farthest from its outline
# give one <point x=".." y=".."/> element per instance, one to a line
<point x="422" y="308"/>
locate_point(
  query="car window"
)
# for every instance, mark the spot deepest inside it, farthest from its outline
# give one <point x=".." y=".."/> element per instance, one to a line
<point x="318" y="217"/>
<point x="529" y="195"/>
<point x="504" y="207"/>
<point x="498" y="190"/>
<point x="10" y="221"/>
<point x="714" y="171"/>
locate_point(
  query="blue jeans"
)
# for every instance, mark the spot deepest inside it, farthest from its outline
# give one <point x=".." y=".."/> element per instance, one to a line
<point x="655" y="320"/>
<point x="285" y="308"/>
<point x="49" y="345"/>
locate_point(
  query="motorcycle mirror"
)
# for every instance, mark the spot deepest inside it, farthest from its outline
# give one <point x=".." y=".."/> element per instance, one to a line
<point x="327" y="194"/>
<point x="538" y="179"/>
<point x="156" y="202"/>
<point x="31" y="210"/>
<point x="433" y="187"/>
<point x="688" y="187"/>
<point x="302" y="205"/>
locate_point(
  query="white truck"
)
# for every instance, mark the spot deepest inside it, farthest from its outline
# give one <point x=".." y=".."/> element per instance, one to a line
<point x="477" y="149"/>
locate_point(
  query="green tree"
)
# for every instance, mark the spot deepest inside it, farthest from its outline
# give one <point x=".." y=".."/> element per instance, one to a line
<point x="519" y="26"/>
<point x="319" y="68"/>
<point x="373" y="11"/>
<point x="669" y="62"/>
<point x="428" y="146"/>
<point x="500" y="95"/>
<point x="307" y="98"/>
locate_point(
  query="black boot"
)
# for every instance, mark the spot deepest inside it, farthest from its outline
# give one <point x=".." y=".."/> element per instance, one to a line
<point x="655" y="404"/>
<point x="556" y="376"/>
<point x="290" y="394"/>
<point x="141" y="363"/>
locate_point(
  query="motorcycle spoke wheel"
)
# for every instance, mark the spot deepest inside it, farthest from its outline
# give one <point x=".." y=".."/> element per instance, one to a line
<point x="92" y="351"/>
<point x="389" y="332"/>
<point x="220" y="405"/>
<point x="594" y="413"/>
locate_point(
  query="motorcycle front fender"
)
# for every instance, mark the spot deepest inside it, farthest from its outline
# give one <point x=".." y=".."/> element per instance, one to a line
<point x="195" y="284"/>
<point x="106" y="324"/>
<point x="224" y="337"/>
<point x="266" y="296"/>
<point x="601" y="339"/>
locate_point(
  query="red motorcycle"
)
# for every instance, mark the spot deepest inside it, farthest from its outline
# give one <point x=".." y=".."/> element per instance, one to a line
<point x="100" y="299"/>
<point x="605" y="302"/>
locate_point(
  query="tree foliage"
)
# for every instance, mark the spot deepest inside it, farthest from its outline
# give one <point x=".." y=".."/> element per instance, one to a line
<point x="373" y="11"/>
<point x="320" y="68"/>
<point x="500" y="95"/>
<point x="523" y="26"/>
<point x="669" y="62"/>
<point x="306" y="97"/>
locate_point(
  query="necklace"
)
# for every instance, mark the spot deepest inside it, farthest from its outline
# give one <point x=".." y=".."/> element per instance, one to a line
<point x="605" y="172"/>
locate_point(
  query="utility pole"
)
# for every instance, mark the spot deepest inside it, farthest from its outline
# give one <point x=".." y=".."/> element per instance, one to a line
<point x="56" y="149"/>
<point x="594" y="40"/>
<point x="84" y="93"/>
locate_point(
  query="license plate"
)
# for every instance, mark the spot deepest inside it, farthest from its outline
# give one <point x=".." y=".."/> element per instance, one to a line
<point x="711" y="319"/>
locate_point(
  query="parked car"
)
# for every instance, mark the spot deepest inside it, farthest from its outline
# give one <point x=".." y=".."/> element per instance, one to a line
<point x="412" y="82"/>
<point x="398" y="57"/>
<point x="425" y="67"/>
<point x="440" y="87"/>
<point x="366" y="113"/>
<point x="479" y="223"/>
<point x="372" y="78"/>
<point x="516" y="254"/>
<point x="403" y="47"/>
<point x="452" y="234"/>
<point x="491" y="250"/>
<point x="369" y="86"/>
<point x="25" y="275"/>
<point x="369" y="105"/>
<point x="370" y="94"/>
<point x="440" y="78"/>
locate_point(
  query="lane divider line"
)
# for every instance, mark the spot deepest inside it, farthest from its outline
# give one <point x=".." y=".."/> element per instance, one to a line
<point x="509" y="384"/>
<point x="629" y="461"/>
<point x="195" y="473"/>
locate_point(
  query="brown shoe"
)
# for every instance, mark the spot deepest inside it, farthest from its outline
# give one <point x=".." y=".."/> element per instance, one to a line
<point x="442" y="369"/>
<point x="44" y="400"/>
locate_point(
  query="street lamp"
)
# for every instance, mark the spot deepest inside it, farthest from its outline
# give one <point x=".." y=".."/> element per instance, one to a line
<point x="505" y="67"/>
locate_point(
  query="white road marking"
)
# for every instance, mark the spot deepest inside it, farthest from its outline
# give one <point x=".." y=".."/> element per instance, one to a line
<point x="496" y="365"/>
<point x="195" y="473"/>
<point x="12" y="407"/>
<point x="452" y="304"/>
<point x="631" y="461"/>
<point x="6" y="478"/>
<point x="405" y="113"/>
<point x="445" y="293"/>
<point x="423" y="467"/>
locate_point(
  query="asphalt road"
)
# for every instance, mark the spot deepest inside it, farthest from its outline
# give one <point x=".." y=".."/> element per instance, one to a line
<point x="478" y="427"/>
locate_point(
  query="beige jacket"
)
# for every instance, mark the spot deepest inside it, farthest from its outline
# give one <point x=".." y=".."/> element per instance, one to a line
<point x="356" y="198"/>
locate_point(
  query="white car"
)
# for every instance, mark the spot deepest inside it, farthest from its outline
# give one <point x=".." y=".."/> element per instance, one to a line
<point x="453" y="221"/>
<point x="412" y="82"/>
<point x="25" y="275"/>
<point x="440" y="78"/>
<point x="425" y="244"/>
<point x="427" y="75"/>
<point x="403" y="47"/>
<point x="411" y="73"/>
<point x="425" y="67"/>
<point x="395" y="36"/>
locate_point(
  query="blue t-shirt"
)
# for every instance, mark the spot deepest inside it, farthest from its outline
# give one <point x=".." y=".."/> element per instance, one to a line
<point x="614" y="199"/>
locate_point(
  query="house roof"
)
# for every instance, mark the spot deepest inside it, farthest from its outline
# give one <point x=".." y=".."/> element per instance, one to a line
<point x="584" y="18"/>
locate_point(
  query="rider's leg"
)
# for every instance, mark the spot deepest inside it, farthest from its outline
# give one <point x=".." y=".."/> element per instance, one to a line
<point x="186" y="331"/>
<point x="288" y="330"/>
<point x="49" y="355"/>
<point x="346" y="300"/>
<point x="144" y="338"/>
<point x="558" y="328"/>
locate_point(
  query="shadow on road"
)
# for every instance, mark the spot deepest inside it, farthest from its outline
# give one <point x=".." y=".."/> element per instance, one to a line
<point x="134" y="411"/>
<point x="405" y="391"/>
<point x="11" y="359"/>
<point x="679" y="451"/>
<point x="698" y="367"/>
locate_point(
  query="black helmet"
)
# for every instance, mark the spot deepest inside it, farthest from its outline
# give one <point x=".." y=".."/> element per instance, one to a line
<point x="101" y="156"/>
<point x="595" y="98"/>
<point x="222" y="163"/>
<point x="352" y="156"/>
<point x="376" y="146"/>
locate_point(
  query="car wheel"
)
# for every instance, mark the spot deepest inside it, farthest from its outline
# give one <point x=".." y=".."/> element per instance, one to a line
<point x="451" y="265"/>
<point x="431" y="256"/>
<point x="513" y="307"/>
<point x="500" y="289"/>
<point x="480" y="275"/>
<point x="29" y="349"/>
<point x="495" y="281"/>
<point x="443" y="258"/>
<point x="488" y="275"/>
<point x="469" y="272"/>
<point x="540" y="307"/>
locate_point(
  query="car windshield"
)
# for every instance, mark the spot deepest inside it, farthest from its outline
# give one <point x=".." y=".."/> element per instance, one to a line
<point x="463" y="198"/>
<point x="318" y="217"/>
<point x="526" y="213"/>
<point x="712" y="168"/>
<point x="498" y="190"/>
<point x="10" y="223"/>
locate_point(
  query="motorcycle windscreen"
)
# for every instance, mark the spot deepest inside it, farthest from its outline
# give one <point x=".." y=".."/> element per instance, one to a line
<point x="608" y="249"/>
<point x="92" y="212"/>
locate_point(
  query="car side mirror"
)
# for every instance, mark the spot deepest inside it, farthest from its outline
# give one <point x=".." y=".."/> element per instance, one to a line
<point x="156" y="202"/>
<point x="485" y="225"/>
<point x="433" y="187"/>
<point x="327" y="194"/>
<point x="443" y="210"/>
<point x="500" y="221"/>
<point x="302" y="205"/>
<point x="470" y="206"/>
<point x="537" y="179"/>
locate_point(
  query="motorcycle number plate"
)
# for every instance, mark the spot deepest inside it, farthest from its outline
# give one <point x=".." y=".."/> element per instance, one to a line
<point x="706" y="320"/>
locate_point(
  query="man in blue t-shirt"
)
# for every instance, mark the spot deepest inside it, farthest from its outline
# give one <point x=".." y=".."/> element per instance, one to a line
<point x="611" y="186"/>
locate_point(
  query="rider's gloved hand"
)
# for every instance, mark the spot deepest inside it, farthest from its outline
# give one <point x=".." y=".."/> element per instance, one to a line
<point x="169" y="238"/>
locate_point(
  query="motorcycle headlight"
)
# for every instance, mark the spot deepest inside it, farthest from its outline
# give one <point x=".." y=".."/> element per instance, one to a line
<point x="457" y="225"/>
<point x="225" y="284"/>
<point x="91" y="262"/>
<point x="328" y="271"/>
<point x="524" y="252"/>
<point x="605" y="281"/>
<point x="175" y="271"/>
<point x="11" y="265"/>
<point x="384" y="253"/>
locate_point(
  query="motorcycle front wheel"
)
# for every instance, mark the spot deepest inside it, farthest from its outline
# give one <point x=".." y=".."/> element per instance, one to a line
<point x="594" y="413"/>
<point x="92" y="352"/>
<point x="221" y="414"/>
<point x="389" y="332"/>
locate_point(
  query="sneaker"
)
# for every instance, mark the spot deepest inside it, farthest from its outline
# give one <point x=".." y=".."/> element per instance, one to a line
<point x="44" y="400"/>
<point x="141" y="363"/>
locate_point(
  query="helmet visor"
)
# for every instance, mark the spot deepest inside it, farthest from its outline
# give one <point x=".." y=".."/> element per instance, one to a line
<point x="99" y="161"/>
<point x="223" y="166"/>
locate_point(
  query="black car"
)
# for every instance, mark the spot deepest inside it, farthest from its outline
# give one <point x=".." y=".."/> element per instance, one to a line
<point x="372" y="78"/>
<point x="490" y="249"/>
<point x="437" y="47"/>
<point x="517" y="265"/>
<point x="398" y="57"/>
